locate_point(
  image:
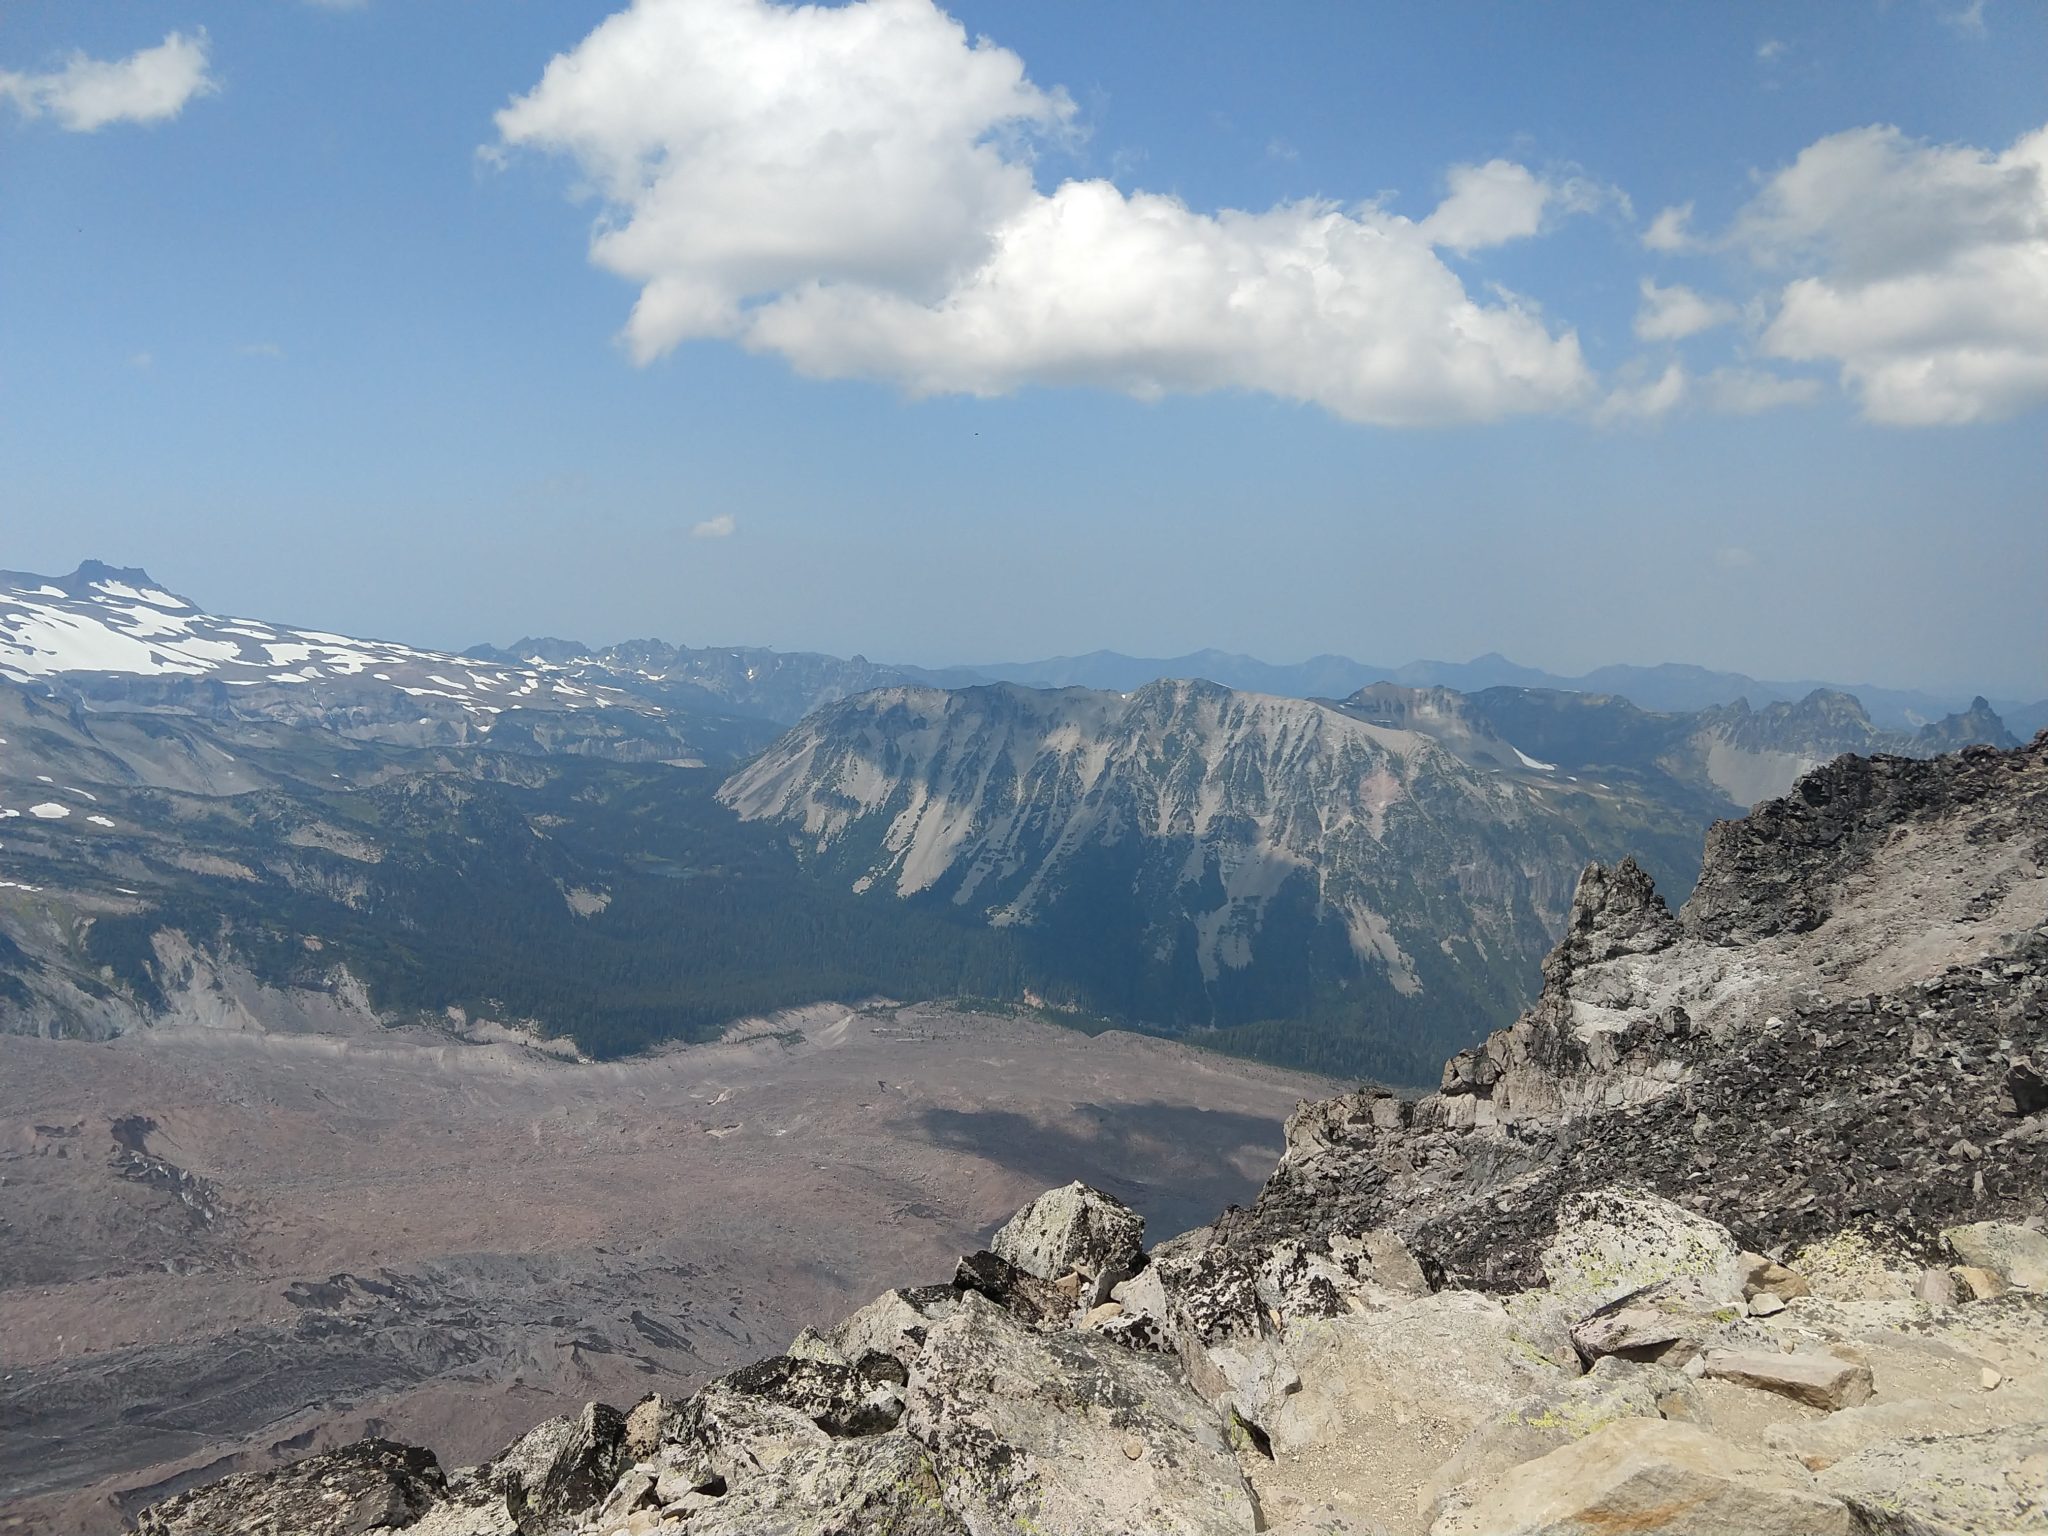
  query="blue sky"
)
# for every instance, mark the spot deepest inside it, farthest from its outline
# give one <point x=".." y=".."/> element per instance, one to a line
<point x="845" y="331"/>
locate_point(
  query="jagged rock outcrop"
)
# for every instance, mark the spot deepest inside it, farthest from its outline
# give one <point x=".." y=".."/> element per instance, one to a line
<point x="1743" y="1226"/>
<point x="369" y="1486"/>
<point x="1842" y="1025"/>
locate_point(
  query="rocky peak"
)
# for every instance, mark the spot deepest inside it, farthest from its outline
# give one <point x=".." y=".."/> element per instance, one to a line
<point x="1614" y="912"/>
<point x="1980" y="723"/>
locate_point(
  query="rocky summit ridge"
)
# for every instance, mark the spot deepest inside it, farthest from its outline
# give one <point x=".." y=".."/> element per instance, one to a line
<point x="1739" y="1228"/>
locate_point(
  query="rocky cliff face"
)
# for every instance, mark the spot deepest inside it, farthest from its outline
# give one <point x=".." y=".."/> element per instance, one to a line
<point x="1217" y="857"/>
<point x="1738" y="1228"/>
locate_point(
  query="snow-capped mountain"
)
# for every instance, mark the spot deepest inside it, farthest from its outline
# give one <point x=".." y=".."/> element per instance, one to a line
<point x="116" y="637"/>
<point x="753" y="681"/>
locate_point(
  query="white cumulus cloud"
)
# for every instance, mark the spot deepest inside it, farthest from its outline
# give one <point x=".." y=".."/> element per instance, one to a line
<point x="1488" y="204"/>
<point x="1674" y="313"/>
<point x="854" y="189"/>
<point x="1922" y="271"/>
<point x="719" y="527"/>
<point x="87" y="94"/>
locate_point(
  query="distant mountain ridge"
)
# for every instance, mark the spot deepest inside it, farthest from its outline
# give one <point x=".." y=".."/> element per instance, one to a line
<point x="1740" y="754"/>
<point x="1669" y="686"/>
<point x="1356" y="883"/>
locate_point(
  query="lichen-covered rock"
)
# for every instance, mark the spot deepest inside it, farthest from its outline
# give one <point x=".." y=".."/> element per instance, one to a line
<point x="1454" y="1358"/>
<point x="894" y="1323"/>
<point x="1075" y="1230"/>
<point x="883" y="1486"/>
<point x="864" y="1397"/>
<point x="2017" y="1255"/>
<point x="1649" y="1477"/>
<point x="371" y="1485"/>
<point x="1996" y="1480"/>
<point x="1037" y="1432"/>
<point x="1613" y="1242"/>
<point x="1666" y="1323"/>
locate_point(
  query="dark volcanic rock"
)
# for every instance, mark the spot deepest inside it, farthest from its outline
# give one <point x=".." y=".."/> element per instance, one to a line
<point x="557" y="1468"/>
<point x="1614" y="912"/>
<point x="991" y="1275"/>
<point x="1777" y="869"/>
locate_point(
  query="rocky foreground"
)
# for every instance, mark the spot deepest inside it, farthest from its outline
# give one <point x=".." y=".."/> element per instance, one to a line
<point x="1739" y="1229"/>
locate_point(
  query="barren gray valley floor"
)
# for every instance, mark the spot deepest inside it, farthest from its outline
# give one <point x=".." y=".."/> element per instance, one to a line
<point x="218" y="1248"/>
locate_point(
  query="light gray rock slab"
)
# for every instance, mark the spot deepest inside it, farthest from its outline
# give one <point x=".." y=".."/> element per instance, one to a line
<point x="1648" y="1477"/>
<point x="1818" y="1380"/>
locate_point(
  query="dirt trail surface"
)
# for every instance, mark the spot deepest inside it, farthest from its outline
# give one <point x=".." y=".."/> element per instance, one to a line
<point x="220" y="1248"/>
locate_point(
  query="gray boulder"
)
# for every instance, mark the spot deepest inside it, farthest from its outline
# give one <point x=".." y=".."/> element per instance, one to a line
<point x="1996" y="1480"/>
<point x="1612" y="1242"/>
<point x="2017" y="1255"/>
<point x="1666" y="1323"/>
<point x="883" y="1486"/>
<point x="1542" y="1422"/>
<point x="559" y="1468"/>
<point x="1075" y="1230"/>
<point x="1068" y="1434"/>
<point x="1651" y="1478"/>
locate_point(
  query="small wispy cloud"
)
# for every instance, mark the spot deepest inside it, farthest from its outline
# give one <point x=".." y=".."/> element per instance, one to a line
<point x="1279" y="149"/>
<point x="269" y="349"/>
<point x="1748" y="391"/>
<point x="87" y="94"/>
<point x="1969" y="20"/>
<point x="1733" y="557"/>
<point x="142" y="361"/>
<point x="719" y="527"/>
<point x="1642" y="402"/>
<point x="1670" y="230"/>
<point x="1674" y="313"/>
<point x="1770" y="50"/>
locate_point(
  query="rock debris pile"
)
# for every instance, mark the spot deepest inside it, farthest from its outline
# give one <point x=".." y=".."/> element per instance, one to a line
<point x="1743" y="1227"/>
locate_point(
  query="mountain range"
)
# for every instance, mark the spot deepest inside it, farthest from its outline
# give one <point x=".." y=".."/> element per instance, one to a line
<point x="783" y="686"/>
<point x="623" y="847"/>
